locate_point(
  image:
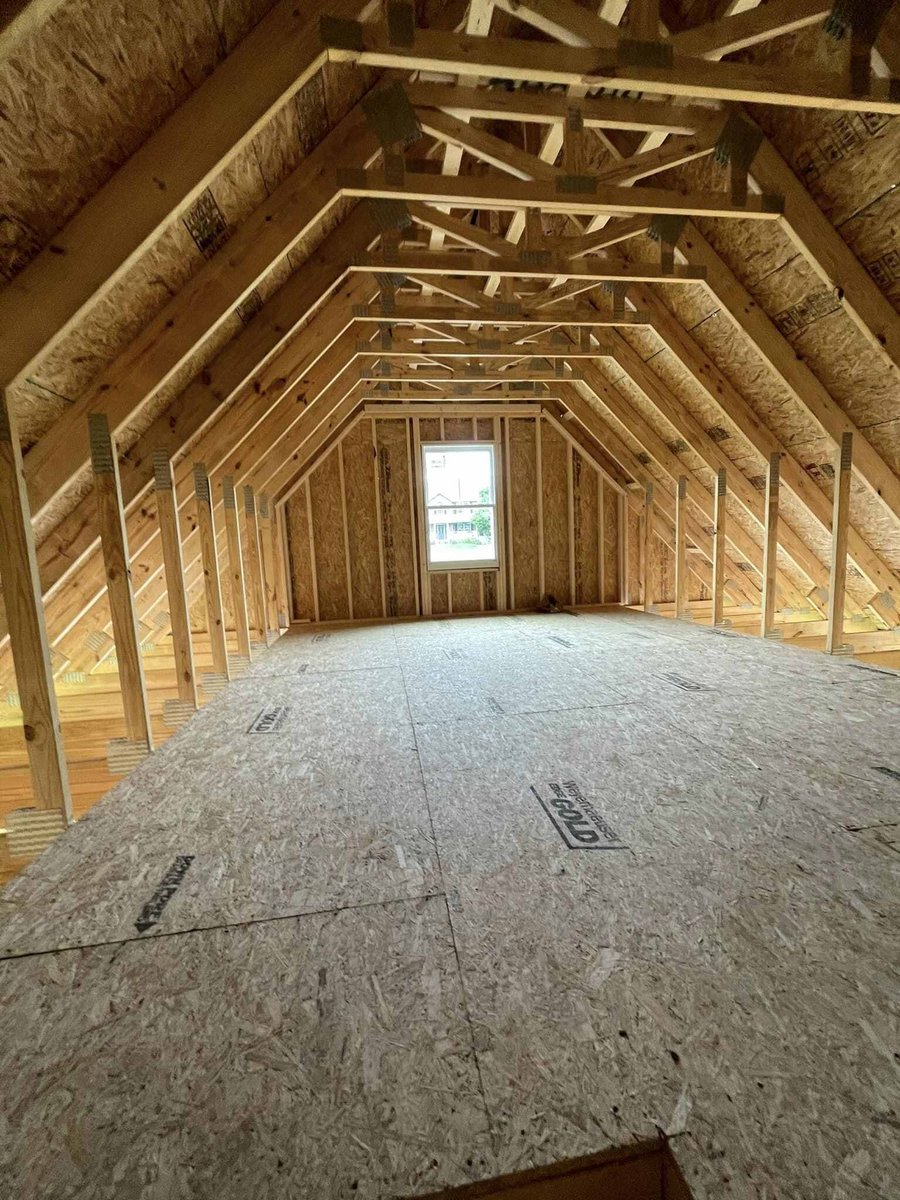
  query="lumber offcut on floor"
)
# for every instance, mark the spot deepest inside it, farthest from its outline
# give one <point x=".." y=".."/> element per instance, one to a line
<point x="482" y="895"/>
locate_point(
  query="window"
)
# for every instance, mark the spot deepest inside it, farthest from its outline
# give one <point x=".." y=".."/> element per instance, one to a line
<point x="460" y="506"/>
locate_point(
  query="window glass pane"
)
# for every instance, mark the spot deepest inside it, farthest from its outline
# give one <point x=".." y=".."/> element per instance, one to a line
<point x="459" y="475"/>
<point x="461" y="535"/>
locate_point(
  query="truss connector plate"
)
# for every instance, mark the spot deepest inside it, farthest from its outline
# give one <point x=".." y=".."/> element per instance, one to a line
<point x="339" y="33"/>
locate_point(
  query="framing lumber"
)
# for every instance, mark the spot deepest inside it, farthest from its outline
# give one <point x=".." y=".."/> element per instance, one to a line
<point x="835" y="614"/>
<point x="647" y="551"/>
<point x="577" y="66"/>
<point x="749" y="28"/>
<point x="236" y="569"/>
<point x="720" y="517"/>
<point x="269" y="570"/>
<point x="770" y="548"/>
<point x="256" y="584"/>
<point x="212" y="588"/>
<point x="170" y="540"/>
<point x="680" y="548"/>
<point x="25" y="615"/>
<point x="111" y="523"/>
<point x="465" y="263"/>
<point x="503" y="315"/>
<point x="549" y="108"/>
<point x="504" y="193"/>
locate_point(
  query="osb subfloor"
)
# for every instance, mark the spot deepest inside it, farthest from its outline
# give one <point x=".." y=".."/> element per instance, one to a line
<point x="383" y="971"/>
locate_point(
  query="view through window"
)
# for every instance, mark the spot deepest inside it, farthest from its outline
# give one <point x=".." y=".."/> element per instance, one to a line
<point x="460" y="505"/>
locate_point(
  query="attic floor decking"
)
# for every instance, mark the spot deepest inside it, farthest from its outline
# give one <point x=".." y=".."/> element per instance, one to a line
<point x="383" y="970"/>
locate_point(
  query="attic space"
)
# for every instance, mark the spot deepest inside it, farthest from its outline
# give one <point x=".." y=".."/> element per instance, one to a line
<point x="450" y="599"/>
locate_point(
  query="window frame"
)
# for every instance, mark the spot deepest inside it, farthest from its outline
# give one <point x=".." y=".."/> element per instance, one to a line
<point x="479" y="564"/>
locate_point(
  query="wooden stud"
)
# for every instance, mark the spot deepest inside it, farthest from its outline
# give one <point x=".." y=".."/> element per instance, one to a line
<point x="281" y="564"/>
<point x="770" y="548"/>
<point x="179" y="615"/>
<point x="720" y="516"/>
<point x="839" y="527"/>
<point x="312" y="549"/>
<point x="681" y="610"/>
<point x="539" y="475"/>
<point x="270" y="572"/>
<point x="256" y="587"/>
<point x="570" y="521"/>
<point x="601" y="541"/>
<point x="507" y="487"/>
<point x="236" y="569"/>
<point x="212" y="587"/>
<point x="418" y="549"/>
<point x="379" y="518"/>
<point x="647" y="555"/>
<point x="418" y="515"/>
<point x="111" y="523"/>
<point x="28" y="633"/>
<point x="345" y="528"/>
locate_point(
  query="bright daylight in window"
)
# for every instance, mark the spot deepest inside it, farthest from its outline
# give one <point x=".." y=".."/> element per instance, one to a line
<point x="460" y="506"/>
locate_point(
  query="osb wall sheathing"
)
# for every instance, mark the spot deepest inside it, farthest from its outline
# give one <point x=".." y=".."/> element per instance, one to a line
<point x="328" y="540"/>
<point x="323" y="549"/>
<point x="300" y="567"/>
<point x="358" y="451"/>
<point x="586" y="531"/>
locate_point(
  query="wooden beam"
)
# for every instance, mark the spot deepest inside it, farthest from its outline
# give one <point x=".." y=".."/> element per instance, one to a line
<point x="647" y="555"/>
<point x="534" y="266"/>
<point x="212" y="587"/>
<point x="681" y="548"/>
<point x="576" y="66"/>
<point x="486" y="347"/>
<point x="551" y="108"/>
<point x="501" y="314"/>
<point x="839" y="526"/>
<point x="720" y="517"/>
<point x="770" y="547"/>
<point x="25" y="616"/>
<point x="269" y="569"/>
<point x="564" y="21"/>
<point x="111" y="522"/>
<point x="170" y="540"/>
<point x="464" y="232"/>
<point x="503" y="193"/>
<point x="236" y="570"/>
<point x="749" y="28"/>
<point x="256" y="584"/>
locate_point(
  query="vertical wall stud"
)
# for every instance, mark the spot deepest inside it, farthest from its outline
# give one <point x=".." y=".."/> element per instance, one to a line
<point x="253" y="568"/>
<point x="720" y="517"/>
<point x="839" y="526"/>
<point x="539" y="472"/>
<point x="270" y="571"/>
<point x="624" y="574"/>
<point x="173" y="563"/>
<point x="27" y="630"/>
<point x="681" y="609"/>
<point x="649" y="514"/>
<point x="215" y="619"/>
<point x="770" y="550"/>
<point x="282" y="558"/>
<point x="236" y="569"/>
<point x="111" y="522"/>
